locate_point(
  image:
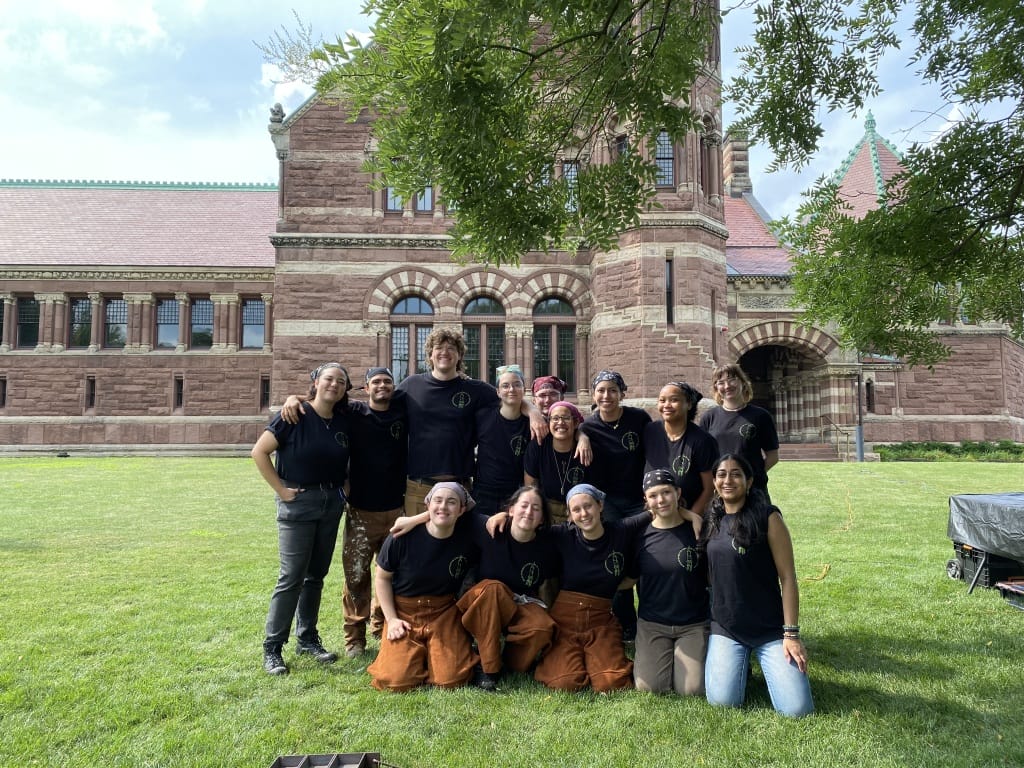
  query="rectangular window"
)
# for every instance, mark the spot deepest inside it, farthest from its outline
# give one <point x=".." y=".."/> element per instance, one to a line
<point x="3" y="391"/>
<point x="554" y="352"/>
<point x="90" y="393"/>
<point x="115" y="329"/>
<point x="571" y="174"/>
<point x="392" y="202"/>
<point x="202" y="324"/>
<point x="422" y="332"/>
<point x="253" y="314"/>
<point x="179" y="392"/>
<point x="485" y="351"/>
<point x="542" y="351"/>
<point x="264" y="392"/>
<point x="566" y="370"/>
<point x="621" y="145"/>
<point x="425" y="200"/>
<point x="400" y="351"/>
<point x="664" y="158"/>
<point x="167" y="324"/>
<point x="28" y="323"/>
<point x="80" y="323"/>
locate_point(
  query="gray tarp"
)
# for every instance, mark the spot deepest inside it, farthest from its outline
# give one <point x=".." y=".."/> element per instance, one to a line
<point x="991" y="522"/>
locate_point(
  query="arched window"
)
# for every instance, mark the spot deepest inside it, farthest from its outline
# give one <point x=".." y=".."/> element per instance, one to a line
<point x="411" y="323"/>
<point x="554" y="340"/>
<point x="483" y="328"/>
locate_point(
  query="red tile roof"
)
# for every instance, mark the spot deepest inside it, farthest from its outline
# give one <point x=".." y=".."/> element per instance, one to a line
<point x="751" y="248"/>
<point x="115" y="224"/>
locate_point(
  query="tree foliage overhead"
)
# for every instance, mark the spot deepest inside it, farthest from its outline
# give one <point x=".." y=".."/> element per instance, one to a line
<point x="483" y="98"/>
<point x="947" y="241"/>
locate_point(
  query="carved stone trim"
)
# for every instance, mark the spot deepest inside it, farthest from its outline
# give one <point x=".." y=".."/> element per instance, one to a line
<point x="438" y="242"/>
<point x="96" y="274"/>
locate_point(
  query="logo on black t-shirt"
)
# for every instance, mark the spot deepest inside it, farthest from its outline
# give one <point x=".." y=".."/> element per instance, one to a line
<point x="687" y="559"/>
<point x="530" y="574"/>
<point x="397" y="430"/>
<point x="518" y="445"/>
<point x="461" y="399"/>
<point x="615" y="564"/>
<point x="574" y="476"/>
<point x="457" y="566"/>
<point x="631" y="441"/>
<point x="748" y="432"/>
<point x="341" y="439"/>
<point x="681" y="465"/>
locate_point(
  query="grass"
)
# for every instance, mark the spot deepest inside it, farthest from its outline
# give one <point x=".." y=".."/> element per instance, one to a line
<point x="134" y="593"/>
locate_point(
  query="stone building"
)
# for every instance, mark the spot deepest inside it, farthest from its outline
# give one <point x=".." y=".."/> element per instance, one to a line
<point x="143" y="316"/>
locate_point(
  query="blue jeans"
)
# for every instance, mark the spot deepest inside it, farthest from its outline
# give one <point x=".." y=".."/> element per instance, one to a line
<point x="725" y="676"/>
<point x="306" y="547"/>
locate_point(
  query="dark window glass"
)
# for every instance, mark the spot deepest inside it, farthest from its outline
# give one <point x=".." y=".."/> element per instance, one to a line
<point x="484" y="305"/>
<point x="115" y="328"/>
<point x="664" y="158"/>
<point x="425" y="200"/>
<point x="167" y="324"/>
<point x="571" y="174"/>
<point x="179" y="392"/>
<point x="79" y="323"/>
<point x="28" y="323"/>
<point x="413" y="305"/>
<point x="554" y="340"/>
<point x="202" y="324"/>
<point x="3" y="391"/>
<point x="253" y="314"/>
<point x="90" y="392"/>
<point x="485" y="351"/>
<point x="264" y="392"/>
<point x="553" y="307"/>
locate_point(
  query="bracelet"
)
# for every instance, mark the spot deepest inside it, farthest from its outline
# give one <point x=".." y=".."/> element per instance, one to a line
<point x="791" y="628"/>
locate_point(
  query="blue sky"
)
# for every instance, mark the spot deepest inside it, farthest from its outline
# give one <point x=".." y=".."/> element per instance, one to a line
<point x="176" y="90"/>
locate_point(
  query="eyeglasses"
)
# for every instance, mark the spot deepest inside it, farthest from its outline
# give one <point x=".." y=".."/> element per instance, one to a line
<point x="509" y="385"/>
<point x="445" y="348"/>
<point x="560" y="419"/>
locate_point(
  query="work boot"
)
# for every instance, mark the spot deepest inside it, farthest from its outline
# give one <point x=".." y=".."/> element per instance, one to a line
<point x="483" y="680"/>
<point x="315" y="648"/>
<point x="273" y="661"/>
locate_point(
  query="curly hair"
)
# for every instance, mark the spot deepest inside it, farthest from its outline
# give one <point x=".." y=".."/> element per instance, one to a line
<point x="445" y="336"/>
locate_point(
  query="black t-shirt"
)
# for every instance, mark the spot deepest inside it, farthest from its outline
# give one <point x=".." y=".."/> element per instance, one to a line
<point x="313" y="451"/>
<point x="597" y="567"/>
<point x="746" y="432"/>
<point x="746" y="599"/>
<point x="377" y="464"/>
<point x="673" y="577"/>
<point x="442" y="423"/>
<point x="686" y="458"/>
<point x="500" y="447"/>
<point x="520" y="566"/>
<point x="556" y="472"/>
<point x="618" y="465"/>
<point x="423" y="565"/>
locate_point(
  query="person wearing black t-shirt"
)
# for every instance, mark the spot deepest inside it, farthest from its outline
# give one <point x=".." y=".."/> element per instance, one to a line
<point x="503" y="434"/>
<point x="376" y="497"/>
<point x="672" y="625"/>
<point x="552" y="465"/>
<point x="739" y="427"/>
<point x="417" y="577"/>
<point x="308" y="479"/>
<point x="595" y="556"/>
<point x="616" y="433"/>
<point x="755" y="600"/>
<point x="677" y="444"/>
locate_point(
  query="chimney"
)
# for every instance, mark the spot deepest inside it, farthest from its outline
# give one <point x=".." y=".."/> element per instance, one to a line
<point x="736" y="163"/>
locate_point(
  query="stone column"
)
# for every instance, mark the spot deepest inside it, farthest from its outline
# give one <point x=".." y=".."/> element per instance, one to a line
<point x="7" y="312"/>
<point x="96" y="315"/>
<point x="582" y="383"/>
<point x="183" y="321"/>
<point x="268" y="325"/>
<point x="49" y="332"/>
<point x="225" y="322"/>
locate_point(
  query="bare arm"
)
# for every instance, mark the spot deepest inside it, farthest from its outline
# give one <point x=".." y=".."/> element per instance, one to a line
<point x="771" y="458"/>
<point x="538" y="424"/>
<point x="405" y="524"/>
<point x="696" y="515"/>
<point x="261" y="453"/>
<point x="397" y="628"/>
<point x="583" y="450"/>
<point x="782" y="553"/>
<point x="292" y="407"/>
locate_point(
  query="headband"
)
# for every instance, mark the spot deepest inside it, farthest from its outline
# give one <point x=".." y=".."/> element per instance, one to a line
<point x="609" y="376"/>
<point x="586" y="488"/>
<point x="691" y="392"/>
<point x="467" y="500"/>
<point x="315" y="374"/>
<point x="501" y="370"/>
<point x="548" y="382"/>
<point x="576" y="415"/>
<point x="658" y="477"/>
<point x="371" y="372"/>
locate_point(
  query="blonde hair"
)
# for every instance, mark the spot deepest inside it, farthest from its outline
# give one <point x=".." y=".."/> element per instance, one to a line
<point x="732" y="370"/>
<point x="445" y="336"/>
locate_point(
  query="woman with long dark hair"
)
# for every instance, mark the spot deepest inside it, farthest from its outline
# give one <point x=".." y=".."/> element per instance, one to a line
<point x="755" y="600"/>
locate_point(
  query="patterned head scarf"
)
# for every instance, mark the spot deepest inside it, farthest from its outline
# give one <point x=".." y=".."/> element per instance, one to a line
<point x="573" y="410"/>
<point x="658" y="477"/>
<point x="462" y="493"/>
<point x="609" y="376"/>
<point x="379" y="371"/>
<point x="548" y="382"/>
<point x="586" y="488"/>
<point x="315" y="374"/>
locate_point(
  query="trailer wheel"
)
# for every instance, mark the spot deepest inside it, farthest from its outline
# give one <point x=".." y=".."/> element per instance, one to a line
<point x="954" y="569"/>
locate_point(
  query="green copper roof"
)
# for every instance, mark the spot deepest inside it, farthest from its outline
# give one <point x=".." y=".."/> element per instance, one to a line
<point x="869" y="141"/>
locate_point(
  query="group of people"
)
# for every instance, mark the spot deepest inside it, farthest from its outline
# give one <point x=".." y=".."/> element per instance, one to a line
<point x="509" y="534"/>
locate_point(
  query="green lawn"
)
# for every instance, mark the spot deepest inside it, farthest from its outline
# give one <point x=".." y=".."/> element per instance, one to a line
<point x="134" y="593"/>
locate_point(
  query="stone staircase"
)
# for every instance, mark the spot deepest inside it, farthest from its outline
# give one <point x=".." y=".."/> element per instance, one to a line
<point x="808" y="452"/>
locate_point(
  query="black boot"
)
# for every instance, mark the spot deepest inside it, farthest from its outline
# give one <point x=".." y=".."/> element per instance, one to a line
<point x="273" y="661"/>
<point x="315" y="648"/>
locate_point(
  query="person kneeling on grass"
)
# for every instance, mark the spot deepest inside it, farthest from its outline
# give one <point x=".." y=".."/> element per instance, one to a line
<point x="503" y="604"/>
<point x="755" y="602"/>
<point x="417" y="578"/>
